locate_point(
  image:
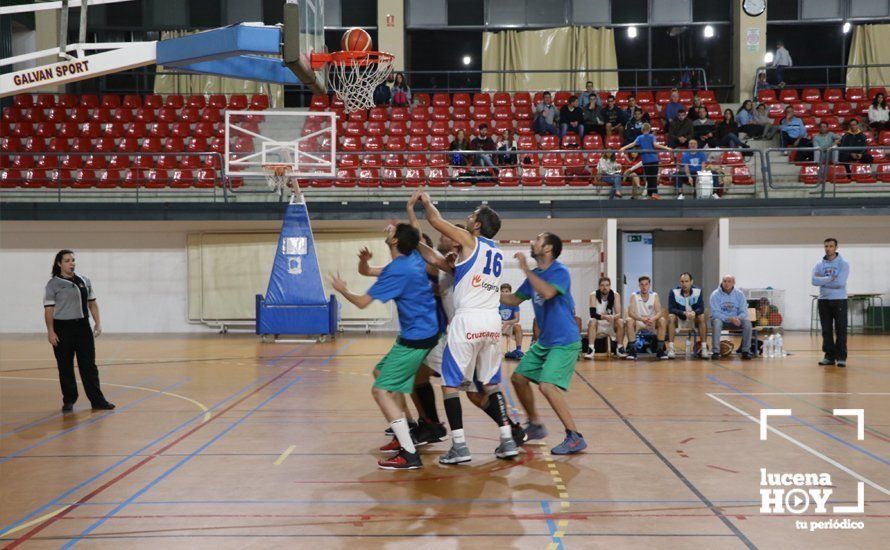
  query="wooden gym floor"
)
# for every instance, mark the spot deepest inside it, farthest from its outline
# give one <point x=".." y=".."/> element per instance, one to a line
<point x="221" y="442"/>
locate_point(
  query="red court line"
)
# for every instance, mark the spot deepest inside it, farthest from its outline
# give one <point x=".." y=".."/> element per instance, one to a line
<point x="143" y="462"/>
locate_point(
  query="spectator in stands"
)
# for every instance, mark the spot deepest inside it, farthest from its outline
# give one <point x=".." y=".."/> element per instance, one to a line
<point x="506" y="149"/>
<point x="824" y="140"/>
<point x="634" y="126"/>
<point x="704" y="129"/>
<point x="571" y="119"/>
<point x="631" y="107"/>
<point x="697" y="104"/>
<point x="681" y="131"/>
<point x="878" y="115"/>
<point x="401" y="93"/>
<point x="459" y="144"/>
<point x="856" y="139"/>
<point x="794" y="133"/>
<point x="781" y="61"/>
<point x="483" y="142"/>
<point x="593" y="120"/>
<point x="613" y="116"/>
<point x="646" y="143"/>
<point x="672" y="109"/>
<point x="610" y="172"/>
<point x="691" y="162"/>
<point x="633" y="170"/>
<point x="546" y="116"/>
<point x="745" y="119"/>
<point x="727" y="132"/>
<point x="761" y="84"/>
<point x="762" y="119"/>
<point x="589" y="96"/>
<point x="722" y="174"/>
<point x="383" y="93"/>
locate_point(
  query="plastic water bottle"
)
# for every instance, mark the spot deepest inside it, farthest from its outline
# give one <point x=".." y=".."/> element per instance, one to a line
<point x="688" y="347"/>
<point x="769" y="346"/>
<point x="780" y="346"/>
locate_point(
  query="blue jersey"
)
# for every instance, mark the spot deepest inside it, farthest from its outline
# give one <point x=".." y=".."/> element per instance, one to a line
<point x="404" y="280"/>
<point x="647" y="141"/>
<point x="508" y="313"/>
<point x="694" y="160"/>
<point x="556" y="316"/>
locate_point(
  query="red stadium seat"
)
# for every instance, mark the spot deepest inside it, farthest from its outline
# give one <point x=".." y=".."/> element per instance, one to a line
<point x="90" y="129"/>
<point x="662" y="97"/>
<point x="368" y="177"/>
<point x="458" y="100"/>
<point x="442" y="100"/>
<point x="210" y="114"/>
<point x="84" y="179"/>
<point x="45" y="101"/>
<point x="259" y="102"/>
<point x="501" y="99"/>
<point x="507" y="176"/>
<point x="875" y="90"/>
<point x="593" y="141"/>
<point x="205" y="129"/>
<point x="217" y="101"/>
<point x="766" y="96"/>
<point x="95" y="162"/>
<point x="439" y="128"/>
<point x="85" y="145"/>
<point x="838" y="174"/>
<point x="150" y="145"/>
<point x="499" y="126"/>
<point x="438" y="143"/>
<point x="128" y="145"/>
<point x="820" y="109"/>
<point x="67" y="130"/>
<point x="391" y="177"/>
<point x="644" y="98"/>
<point x="461" y="125"/>
<point x="181" y="178"/>
<point x="855" y="94"/>
<point x="522" y="100"/>
<point x="23" y="101"/>
<point x="319" y="102"/>
<point x="167" y="114"/>
<point x="144" y="115"/>
<point x="461" y="112"/>
<point x="810" y="95"/>
<point x="422" y="99"/>
<point x="741" y="175"/>
<point x="415" y="177"/>
<point x="531" y="176"/>
<point x="190" y="115"/>
<point x="47" y="162"/>
<point x="370" y="161"/>
<point x="438" y="176"/>
<point x="561" y="98"/>
<point x="90" y="101"/>
<point x="482" y="113"/>
<point x="883" y="173"/>
<point x="196" y="101"/>
<point x="24" y="162"/>
<point x="110" y="101"/>
<point x="174" y="101"/>
<point x="420" y="114"/>
<point x="788" y="95"/>
<point x="832" y="94"/>
<point x="394" y="143"/>
<point x="481" y="99"/>
<point x="205" y="178"/>
<point x="861" y="173"/>
<point x="159" y="129"/>
<point x="71" y="162"/>
<point x="549" y="142"/>
<point x="551" y="160"/>
<point x="377" y="114"/>
<point x="59" y="144"/>
<point x="152" y="101"/>
<point x="54" y="115"/>
<point x="132" y="101"/>
<point x="136" y="129"/>
<point x="238" y="102"/>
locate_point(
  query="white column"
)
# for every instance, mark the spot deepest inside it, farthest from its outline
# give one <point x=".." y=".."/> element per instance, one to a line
<point x="391" y="30"/>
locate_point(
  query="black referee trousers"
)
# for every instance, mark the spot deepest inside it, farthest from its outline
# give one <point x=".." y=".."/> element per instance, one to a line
<point x="76" y="338"/>
<point x="833" y="317"/>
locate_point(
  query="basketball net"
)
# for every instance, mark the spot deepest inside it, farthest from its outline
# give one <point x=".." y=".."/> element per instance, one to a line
<point x="354" y="75"/>
<point x="280" y="176"/>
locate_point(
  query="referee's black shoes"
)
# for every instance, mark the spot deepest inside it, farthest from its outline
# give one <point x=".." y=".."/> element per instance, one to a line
<point x="67" y="407"/>
<point x="103" y="406"/>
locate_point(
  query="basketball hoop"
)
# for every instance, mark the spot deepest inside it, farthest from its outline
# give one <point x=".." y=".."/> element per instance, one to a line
<point x="280" y="176"/>
<point x="353" y="75"/>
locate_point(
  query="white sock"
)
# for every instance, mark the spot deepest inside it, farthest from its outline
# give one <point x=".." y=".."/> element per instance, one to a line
<point x="457" y="436"/>
<point x="506" y="432"/>
<point x="670" y="345"/>
<point x="403" y="434"/>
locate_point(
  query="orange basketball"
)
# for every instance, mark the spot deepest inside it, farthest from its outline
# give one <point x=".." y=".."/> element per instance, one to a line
<point x="356" y="40"/>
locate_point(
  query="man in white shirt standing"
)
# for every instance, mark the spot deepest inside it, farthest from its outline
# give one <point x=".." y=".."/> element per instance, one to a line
<point x="781" y="60"/>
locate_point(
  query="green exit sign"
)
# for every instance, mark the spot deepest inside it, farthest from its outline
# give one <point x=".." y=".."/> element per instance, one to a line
<point x="634" y="238"/>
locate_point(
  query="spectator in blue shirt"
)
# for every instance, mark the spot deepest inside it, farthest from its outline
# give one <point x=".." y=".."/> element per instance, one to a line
<point x="588" y="95"/>
<point x="744" y="117"/>
<point x="793" y="130"/>
<point x="729" y="310"/>
<point x="830" y="275"/>
<point x="691" y="162"/>
<point x="671" y="109"/>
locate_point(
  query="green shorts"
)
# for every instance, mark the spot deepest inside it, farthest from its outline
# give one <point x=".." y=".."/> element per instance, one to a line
<point x="554" y="365"/>
<point x="398" y="367"/>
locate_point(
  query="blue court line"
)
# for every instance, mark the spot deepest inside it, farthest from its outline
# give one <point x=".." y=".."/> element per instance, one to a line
<point x="58" y="414"/>
<point x="193" y="454"/>
<point x="803" y="422"/>
<point x="545" y="506"/>
<point x="101" y="473"/>
<point x="89" y="422"/>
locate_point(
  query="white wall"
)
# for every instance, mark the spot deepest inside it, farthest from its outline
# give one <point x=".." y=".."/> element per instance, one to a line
<point x="781" y="253"/>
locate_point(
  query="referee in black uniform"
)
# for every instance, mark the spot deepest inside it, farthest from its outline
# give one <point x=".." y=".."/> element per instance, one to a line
<point x="68" y="303"/>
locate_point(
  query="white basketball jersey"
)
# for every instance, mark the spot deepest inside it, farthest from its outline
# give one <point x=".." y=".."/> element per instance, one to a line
<point x="477" y="280"/>
<point x="647" y="308"/>
<point x="446" y="293"/>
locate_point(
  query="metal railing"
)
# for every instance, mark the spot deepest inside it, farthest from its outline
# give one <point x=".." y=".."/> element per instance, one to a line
<point x="132" y="180"/>
<point x="819" y="173"/>
<point x="469" y="80"/>
<point x="835" y="76"/>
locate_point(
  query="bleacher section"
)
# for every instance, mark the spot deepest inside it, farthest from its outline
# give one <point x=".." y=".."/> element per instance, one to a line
<point x="118" y="142"/>
<point x="177" y="141"/>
